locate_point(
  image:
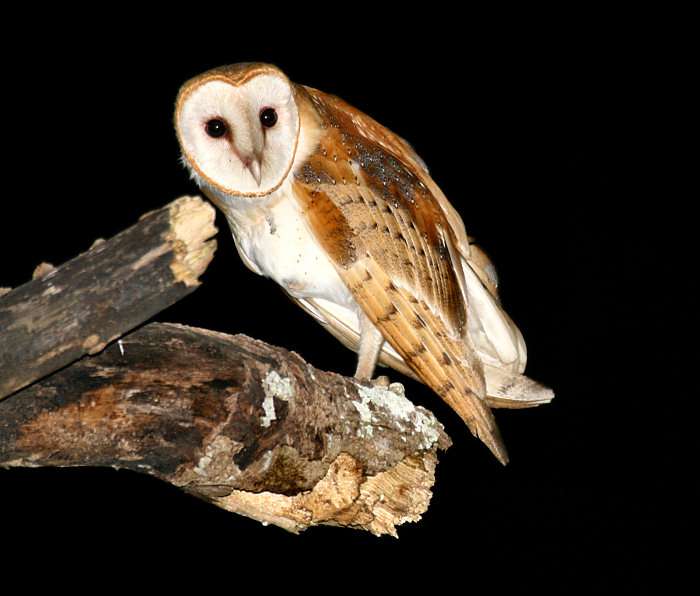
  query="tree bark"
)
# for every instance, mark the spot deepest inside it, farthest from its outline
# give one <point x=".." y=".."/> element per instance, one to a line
<point x="251" y="428"/>
<point x="79" y="307"/>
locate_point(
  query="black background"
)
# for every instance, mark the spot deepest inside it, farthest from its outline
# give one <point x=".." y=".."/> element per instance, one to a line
<point x="540" y="133"/>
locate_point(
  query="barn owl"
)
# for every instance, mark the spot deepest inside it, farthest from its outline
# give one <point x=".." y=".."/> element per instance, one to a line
<point x="344" y="216"/>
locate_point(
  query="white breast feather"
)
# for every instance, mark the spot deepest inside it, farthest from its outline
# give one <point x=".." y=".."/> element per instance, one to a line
<point x="274" y="241"/>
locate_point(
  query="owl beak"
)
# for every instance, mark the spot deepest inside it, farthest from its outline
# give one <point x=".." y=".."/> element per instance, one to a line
<point x="254" y="167"/>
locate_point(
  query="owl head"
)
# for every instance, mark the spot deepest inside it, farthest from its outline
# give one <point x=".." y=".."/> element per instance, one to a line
<point x="238" y="128"/>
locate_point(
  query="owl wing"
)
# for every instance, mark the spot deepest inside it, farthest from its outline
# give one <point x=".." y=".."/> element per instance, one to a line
<point x="372" y="206"/>
<point x="504" y="388"/>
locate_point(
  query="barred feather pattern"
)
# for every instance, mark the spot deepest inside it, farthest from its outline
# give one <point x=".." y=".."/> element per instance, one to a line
<point x="393" y="247"/>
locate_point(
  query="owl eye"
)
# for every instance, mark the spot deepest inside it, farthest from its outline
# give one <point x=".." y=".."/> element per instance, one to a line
<point x="268" y="117"/>
<point x="215" y="128"/>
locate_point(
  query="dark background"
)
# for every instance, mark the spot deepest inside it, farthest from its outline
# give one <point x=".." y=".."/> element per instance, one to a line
<point x="542" y="136"/>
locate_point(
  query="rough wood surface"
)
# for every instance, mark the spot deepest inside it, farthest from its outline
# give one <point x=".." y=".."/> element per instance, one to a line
<point x="79" y="307"/>
<point x="252" y="428"/>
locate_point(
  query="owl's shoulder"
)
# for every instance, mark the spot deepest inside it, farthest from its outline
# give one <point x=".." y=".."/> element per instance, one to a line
<point x="336" y="113"/>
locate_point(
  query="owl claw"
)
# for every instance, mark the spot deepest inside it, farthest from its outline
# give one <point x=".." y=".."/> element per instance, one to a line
<point x="397" y="388"/>
<point x="384" y="382"/>
<point x="380" y="381"/>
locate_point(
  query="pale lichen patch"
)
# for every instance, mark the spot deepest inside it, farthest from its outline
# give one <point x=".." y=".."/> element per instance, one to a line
<point x="363" y="409"/>
<point x="278" y="387"/>
<point x="396" y="405"/>
<point x="217" y="462"/>
<point x="426" y="426"/>
<point x="269" y="408"/>
<point x="399" y="408"/>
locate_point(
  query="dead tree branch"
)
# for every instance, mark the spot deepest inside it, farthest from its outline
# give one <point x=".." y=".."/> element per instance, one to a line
<point x="252" y="428"/>
<point x="79" y="307"/>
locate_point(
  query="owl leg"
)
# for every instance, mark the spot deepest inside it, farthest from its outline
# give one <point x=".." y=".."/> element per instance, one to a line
<point x="371" y="342"/>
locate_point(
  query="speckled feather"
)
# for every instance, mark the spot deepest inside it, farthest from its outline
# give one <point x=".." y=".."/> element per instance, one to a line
<point x="370" y="204"/>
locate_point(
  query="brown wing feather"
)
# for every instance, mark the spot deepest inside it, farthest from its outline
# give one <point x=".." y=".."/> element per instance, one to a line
<point x="387" y="204"/>
<point x="422" y="341"/>
<point x="370" y="205"/>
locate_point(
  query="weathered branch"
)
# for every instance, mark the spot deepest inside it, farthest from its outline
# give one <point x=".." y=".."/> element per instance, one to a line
<point x="251" y="428"/>
<point x="81" y="306"/>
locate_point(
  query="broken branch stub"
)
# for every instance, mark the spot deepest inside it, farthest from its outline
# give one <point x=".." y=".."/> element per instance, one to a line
<point x="252" y="428"/>
<point x="79" y="307"/>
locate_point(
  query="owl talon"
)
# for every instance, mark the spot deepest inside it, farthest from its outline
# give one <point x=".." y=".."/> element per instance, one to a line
<point x="380" y="381"/>
<point x="397" y="388"/>
<point x="384" y="382"/>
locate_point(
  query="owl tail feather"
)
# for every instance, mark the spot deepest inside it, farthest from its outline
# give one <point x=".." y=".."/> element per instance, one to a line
<point x="448" y="366"/>
<point x="505" y="389"/>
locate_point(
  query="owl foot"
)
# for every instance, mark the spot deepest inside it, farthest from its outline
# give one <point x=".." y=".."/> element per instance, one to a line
<point x="383" y="381"/>
<point x="380" y="381"/>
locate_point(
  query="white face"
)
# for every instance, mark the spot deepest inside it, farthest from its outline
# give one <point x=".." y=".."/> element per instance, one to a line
<point x="241" y="140"/>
